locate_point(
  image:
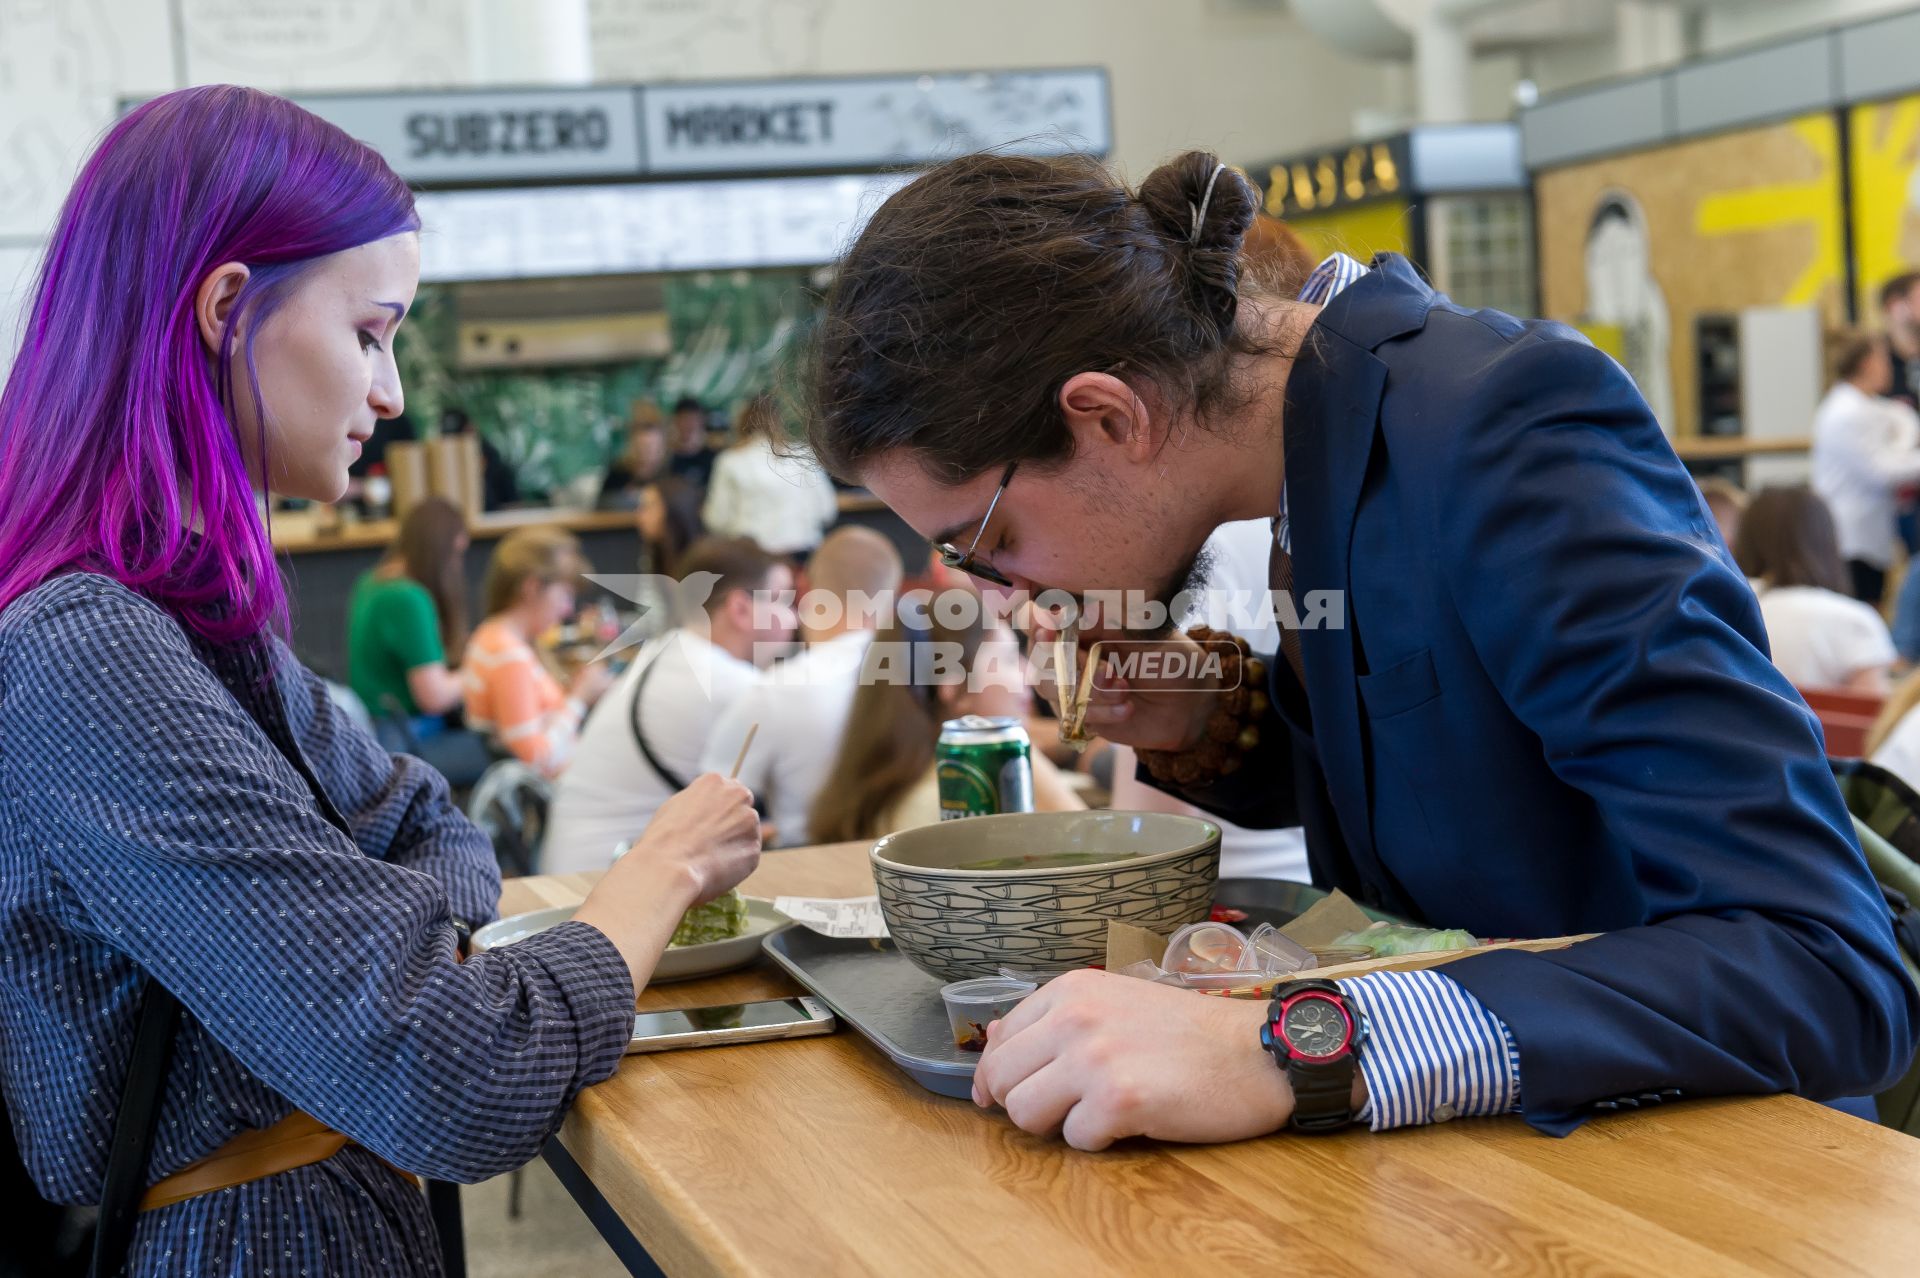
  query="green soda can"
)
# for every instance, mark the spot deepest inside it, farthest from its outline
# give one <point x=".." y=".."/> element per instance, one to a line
<point x="984" y="767"/>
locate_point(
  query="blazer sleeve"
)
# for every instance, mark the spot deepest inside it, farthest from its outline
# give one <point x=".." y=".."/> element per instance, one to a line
<point x="1581" y="562"/>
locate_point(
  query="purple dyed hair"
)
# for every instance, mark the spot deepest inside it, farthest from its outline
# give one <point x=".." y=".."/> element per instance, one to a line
<point x="116" y="431"/>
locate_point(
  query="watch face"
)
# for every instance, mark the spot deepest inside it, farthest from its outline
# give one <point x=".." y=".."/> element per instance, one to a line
<point x="1315" y="1026"/>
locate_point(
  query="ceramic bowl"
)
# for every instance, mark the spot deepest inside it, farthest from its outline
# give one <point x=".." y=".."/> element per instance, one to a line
<point x="961" y="898"/>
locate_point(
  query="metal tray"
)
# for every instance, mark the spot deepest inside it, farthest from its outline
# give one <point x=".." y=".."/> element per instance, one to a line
<point x="878" y="991"/>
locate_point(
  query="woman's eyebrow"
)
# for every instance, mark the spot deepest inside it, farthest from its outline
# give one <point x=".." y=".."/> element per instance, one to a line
<point x="398" y="308"/>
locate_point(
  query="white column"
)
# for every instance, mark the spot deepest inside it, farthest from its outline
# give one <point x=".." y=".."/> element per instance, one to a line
<point x="1648" y="34"/>
<point x="1443" y="65"/>
<point x="530" y="41"/>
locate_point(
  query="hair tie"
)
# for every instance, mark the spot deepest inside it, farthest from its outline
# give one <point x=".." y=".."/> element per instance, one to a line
<point x="1200" y="213"/>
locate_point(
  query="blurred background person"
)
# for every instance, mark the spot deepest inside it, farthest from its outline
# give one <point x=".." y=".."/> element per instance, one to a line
<point x="668" y="520"/>
<point x="1820" y="636"/>
<point x="403" y="619"/>
<point x="1894" y="740"/>
<point x="1865" y="447"/>
<point x="692" y="456"/>
<point x="641" y="462"/>
<point x="765" y="489"/>
<point x="644" y="740"/>
<point x="883" y="778"/>
<point x="802" y="705"/>
<point x="1727" y="501"/>
<point x="531" y="588"/>
<point x="1900" y="315"/>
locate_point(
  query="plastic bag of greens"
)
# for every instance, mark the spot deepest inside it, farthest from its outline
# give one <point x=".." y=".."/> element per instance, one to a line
<point x="1386" y="940"/>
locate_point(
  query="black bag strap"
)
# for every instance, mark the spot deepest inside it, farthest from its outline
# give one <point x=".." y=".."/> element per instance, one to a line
<point x="133" y="1129"/>
<point x="673" y="779"/>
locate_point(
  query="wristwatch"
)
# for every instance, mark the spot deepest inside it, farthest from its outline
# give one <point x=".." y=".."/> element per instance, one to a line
<point x="1312" y="1032"/>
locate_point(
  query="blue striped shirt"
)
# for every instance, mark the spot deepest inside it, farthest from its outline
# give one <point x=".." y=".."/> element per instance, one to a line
<point x="1432" y="1051"/>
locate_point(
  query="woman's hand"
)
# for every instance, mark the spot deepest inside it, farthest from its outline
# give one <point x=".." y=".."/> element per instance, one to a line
<point x="1161" y="713"/>
<point x="701" y="842"/>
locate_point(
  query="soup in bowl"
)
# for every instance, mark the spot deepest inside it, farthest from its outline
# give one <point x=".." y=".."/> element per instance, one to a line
<point x="1034" y="891"/>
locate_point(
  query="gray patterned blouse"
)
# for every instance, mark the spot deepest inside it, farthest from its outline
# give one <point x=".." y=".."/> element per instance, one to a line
<point x="204" y="816"/>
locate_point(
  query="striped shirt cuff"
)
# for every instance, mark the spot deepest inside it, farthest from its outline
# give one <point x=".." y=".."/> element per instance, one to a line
<point x="1432" y="1051"/>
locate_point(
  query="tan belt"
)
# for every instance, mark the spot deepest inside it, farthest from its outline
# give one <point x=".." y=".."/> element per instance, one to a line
<point x="298" y="1140"/>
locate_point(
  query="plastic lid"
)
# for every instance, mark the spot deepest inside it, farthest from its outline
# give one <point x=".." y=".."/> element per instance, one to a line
<point x="986" y="989"/>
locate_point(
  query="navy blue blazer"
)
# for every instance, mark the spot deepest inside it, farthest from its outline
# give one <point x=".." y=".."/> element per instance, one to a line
<point x="1551" y="711"/>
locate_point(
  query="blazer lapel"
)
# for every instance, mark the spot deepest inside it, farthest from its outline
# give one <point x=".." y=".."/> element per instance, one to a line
<point x="1332" y="416"/>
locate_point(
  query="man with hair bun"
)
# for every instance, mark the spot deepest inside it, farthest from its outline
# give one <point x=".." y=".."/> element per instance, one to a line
<point x="1540" y="704"/>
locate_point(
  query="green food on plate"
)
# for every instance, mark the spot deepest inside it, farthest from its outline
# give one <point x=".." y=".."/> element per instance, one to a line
<point x="720" y="919"/>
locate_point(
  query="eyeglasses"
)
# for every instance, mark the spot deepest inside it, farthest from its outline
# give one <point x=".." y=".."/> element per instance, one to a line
<point x="953" y="557"/>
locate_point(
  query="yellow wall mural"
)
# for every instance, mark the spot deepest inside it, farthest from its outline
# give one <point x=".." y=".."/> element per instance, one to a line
<point x="1884" y="140"/>
<point x="1636" y="248"/>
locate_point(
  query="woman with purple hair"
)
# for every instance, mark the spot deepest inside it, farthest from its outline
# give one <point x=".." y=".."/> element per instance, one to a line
<point x="223" y="906"/>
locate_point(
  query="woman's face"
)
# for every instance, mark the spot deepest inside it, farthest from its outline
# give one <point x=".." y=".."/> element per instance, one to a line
<point x="649" y="452"/>
<point x="550" y="602"/>
<point x="325" y="363"/>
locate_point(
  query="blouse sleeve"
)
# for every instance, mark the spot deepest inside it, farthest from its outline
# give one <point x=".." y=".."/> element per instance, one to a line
<point x="176" y="833"/>
<point x="398" y="808"/>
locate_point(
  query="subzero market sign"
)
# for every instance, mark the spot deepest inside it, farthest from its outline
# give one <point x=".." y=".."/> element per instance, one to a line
<point x="534" y="135"/>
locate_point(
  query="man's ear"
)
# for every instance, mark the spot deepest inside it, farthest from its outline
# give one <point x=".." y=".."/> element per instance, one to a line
<point x="1103" y="411"/>
<point x="213" y="301"/>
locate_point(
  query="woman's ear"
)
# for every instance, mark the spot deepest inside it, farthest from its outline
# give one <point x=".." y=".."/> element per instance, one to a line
<point x="213" y="302"/>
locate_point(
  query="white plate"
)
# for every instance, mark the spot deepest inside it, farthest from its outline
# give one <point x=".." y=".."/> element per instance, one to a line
<point x="679" y="963"/>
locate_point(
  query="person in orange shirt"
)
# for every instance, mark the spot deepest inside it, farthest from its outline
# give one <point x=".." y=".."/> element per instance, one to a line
<point x="511" y="697"/>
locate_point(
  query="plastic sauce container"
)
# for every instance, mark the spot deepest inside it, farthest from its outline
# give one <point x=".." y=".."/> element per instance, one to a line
<point x="973" y="1005"/>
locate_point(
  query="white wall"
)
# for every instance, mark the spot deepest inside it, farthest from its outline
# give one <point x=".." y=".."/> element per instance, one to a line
<point x="1237" y="76"/>
<point x="1731" y="23"/>
<point x="1241" y="77"/>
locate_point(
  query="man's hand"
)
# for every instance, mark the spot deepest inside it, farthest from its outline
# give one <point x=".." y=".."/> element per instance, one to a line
<point x="1148" y="714"/>
<point x="1098" y="1057"/>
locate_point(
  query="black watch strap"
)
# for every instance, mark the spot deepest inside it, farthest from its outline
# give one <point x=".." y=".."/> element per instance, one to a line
<point x="1322" y="1094"/>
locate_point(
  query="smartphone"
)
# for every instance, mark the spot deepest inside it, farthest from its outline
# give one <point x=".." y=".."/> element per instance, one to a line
<point x="729" y="1023"/>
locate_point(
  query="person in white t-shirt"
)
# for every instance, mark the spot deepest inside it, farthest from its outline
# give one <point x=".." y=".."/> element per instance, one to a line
<point x="1894" y="740"/>
<point x="802" y="704"/>
<point x="1820" y="637"/>
<point x="775" y="495"/>
<point x="644" y="741"/>
<point x="1865" y="448"/>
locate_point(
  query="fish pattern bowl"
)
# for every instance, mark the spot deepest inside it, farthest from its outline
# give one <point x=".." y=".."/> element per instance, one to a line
<point x="1034" y="891"/>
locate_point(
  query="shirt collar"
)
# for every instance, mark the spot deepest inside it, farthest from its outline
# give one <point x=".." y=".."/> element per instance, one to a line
<point x="1328" y="280"/>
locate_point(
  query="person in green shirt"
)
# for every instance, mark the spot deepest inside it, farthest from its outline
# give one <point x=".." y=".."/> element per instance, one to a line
<point x="405" y="616"/>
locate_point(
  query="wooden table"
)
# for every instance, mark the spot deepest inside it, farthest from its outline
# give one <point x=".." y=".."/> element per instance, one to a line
<point x="817" y="1156"/>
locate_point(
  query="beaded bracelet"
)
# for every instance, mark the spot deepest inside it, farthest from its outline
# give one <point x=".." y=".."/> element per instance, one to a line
<point x="1231" y="730"/>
